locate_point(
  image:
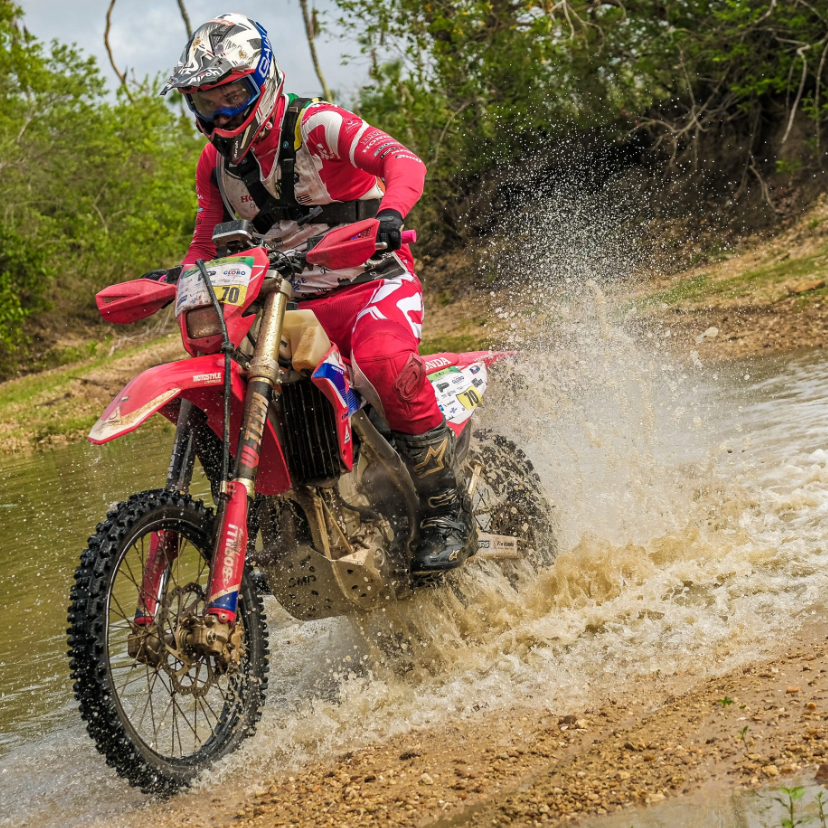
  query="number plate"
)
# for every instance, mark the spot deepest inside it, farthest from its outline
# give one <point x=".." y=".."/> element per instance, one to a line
<point x="230" y="278"/>
<point x="497" y="547"/>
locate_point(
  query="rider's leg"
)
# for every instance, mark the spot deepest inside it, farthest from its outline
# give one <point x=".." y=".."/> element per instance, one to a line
<point x="384" y="343"/>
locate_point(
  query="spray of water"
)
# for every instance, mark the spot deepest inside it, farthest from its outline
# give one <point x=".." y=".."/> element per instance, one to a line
<point x="688" y="508"/>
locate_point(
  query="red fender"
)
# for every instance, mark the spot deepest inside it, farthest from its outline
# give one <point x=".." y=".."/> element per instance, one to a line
<point x="201" y="381"/>
<point x="435" y="363"/>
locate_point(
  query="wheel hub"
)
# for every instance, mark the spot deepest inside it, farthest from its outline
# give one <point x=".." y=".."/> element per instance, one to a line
<point x="196" y="652"/>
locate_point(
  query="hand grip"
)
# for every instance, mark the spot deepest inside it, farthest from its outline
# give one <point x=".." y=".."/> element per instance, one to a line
<point x="409" y="236"/>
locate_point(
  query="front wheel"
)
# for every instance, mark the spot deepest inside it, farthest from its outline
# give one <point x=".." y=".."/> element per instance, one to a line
<point x="162" y="715"/>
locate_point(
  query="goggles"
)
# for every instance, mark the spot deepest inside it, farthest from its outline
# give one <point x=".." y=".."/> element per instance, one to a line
<point x="229" y="99"/>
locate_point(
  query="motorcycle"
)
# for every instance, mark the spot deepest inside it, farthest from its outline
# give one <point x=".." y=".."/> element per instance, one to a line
<point x="168" y="644"/>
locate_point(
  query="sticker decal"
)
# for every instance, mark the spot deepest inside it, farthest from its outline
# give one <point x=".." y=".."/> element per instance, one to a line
<point x="443" y="373"/>
<point x="459" y="391"/>
<point x="439" y="362"/>
<point x="230" y="278"/>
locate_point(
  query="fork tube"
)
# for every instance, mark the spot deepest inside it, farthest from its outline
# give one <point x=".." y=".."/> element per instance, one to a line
<point x="231" y="540"/>
<point x="227" y="350"/>
<point x="163" y="547"/>
<point x="180" y="472"/>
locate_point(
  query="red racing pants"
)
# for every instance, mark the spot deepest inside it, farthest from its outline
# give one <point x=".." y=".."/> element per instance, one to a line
<point x="378" y="325"/>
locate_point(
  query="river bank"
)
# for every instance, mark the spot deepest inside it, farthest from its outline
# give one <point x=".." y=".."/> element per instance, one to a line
<point x="769" y="296"/>
<point x="762" y="724"/>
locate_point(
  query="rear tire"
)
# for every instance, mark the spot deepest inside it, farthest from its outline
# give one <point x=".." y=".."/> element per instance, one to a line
<point x="103" y="670"/>
<point x="509" y="499"/>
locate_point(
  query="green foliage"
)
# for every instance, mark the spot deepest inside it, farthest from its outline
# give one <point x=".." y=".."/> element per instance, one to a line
<point x="788" y="800"/>
<point x="92" y="190"/>
<point x="820" y="800"/>
<point x="475" y="84"/>
<point x="725" y="702"/>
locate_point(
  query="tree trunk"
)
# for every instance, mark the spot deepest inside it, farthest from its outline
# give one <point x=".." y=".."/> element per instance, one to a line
<point x="311" y="34"/>
<point x="185" y="17"/>
<point x="121" y="75"/>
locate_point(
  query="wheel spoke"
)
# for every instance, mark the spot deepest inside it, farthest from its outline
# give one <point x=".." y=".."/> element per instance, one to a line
<point x="165" y="698"/>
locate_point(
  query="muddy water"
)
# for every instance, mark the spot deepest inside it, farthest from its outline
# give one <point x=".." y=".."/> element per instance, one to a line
<point x="690" y="504"/>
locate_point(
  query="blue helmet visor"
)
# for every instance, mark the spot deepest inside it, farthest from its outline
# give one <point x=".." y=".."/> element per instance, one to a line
<point x="229" y="99"/>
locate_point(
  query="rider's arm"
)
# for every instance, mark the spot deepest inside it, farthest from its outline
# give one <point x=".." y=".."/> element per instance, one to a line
<point x="210" y="208"/>
<point x="332" y="133"/>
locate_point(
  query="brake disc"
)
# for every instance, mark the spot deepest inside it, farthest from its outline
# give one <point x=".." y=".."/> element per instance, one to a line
<point x="179" y="661"/>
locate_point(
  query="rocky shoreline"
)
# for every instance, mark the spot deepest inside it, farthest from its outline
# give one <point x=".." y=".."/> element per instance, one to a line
<point x="764" y="723"/>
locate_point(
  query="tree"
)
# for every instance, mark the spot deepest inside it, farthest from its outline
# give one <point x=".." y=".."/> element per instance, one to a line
<point x="476" y="84"/>
<point x="93" y="191"/>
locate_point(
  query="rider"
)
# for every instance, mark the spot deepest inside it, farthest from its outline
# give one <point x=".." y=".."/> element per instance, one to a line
<point x="271" y="159"/>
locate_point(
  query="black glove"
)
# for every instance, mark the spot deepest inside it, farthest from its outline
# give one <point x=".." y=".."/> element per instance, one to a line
<point x="169" y="276"/>
<point x="389" y="230"/>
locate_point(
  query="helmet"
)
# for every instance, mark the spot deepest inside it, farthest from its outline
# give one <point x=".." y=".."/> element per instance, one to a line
<point x="227" y="68"/>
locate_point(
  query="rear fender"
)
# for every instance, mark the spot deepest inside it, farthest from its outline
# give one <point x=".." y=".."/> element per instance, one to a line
<point x="459" y="382"/>
<point x="201" y="381"/>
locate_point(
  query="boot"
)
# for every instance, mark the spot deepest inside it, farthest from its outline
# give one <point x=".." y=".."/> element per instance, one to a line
<point x="447" y="529"/>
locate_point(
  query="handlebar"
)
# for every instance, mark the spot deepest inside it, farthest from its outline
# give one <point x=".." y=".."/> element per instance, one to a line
<point x="407" y="237"/>
<point x="291" y="263"/>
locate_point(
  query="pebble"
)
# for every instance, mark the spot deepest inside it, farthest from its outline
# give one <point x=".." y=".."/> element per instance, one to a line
<point x="793" y="689"/>
<point x="425" y="779"/>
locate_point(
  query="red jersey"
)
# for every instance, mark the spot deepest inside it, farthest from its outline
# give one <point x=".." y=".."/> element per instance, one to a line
<point x="339" y="157"/>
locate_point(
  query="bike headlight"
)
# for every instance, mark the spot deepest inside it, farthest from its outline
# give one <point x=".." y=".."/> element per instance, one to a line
<point x="203" y="322"/>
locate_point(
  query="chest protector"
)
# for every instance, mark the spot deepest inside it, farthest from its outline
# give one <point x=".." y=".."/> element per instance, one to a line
<point x="294" y="177"/>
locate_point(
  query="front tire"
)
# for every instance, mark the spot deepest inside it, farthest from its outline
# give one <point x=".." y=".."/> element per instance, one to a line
<point x="159" y="726"/>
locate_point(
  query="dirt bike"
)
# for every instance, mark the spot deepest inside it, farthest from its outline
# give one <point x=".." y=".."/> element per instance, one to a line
<point x="168" y="642"/>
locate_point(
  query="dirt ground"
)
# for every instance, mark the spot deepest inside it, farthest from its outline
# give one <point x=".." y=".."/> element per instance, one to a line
<point x="770" y="296"/>
<point x="748" y="728"/>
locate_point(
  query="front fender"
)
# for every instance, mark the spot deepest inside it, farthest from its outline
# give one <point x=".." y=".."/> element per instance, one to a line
<point x="201" y="381"/>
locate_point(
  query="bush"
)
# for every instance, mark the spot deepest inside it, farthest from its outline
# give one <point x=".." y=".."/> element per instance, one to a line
<point x="93" y="191"/>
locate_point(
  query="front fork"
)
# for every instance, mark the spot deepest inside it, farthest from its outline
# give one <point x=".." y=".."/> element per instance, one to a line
<point x="230" y="546"/>
<point x="163" y="545"/>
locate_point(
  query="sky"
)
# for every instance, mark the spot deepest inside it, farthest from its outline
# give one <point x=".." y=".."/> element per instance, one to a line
<point x="149" y="35"/>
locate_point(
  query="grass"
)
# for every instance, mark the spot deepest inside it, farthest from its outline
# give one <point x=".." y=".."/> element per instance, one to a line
<point x="42" y="406"/>
<point x="764" y="284"/>
<point x="25" y="389"/>
<point x="454" y="344"/>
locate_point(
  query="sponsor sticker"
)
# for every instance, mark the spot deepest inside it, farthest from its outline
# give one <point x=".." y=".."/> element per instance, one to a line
<point x="445" y="372"/>
<point x="230" y="278"/>
<point x="459" y="391"/>
<point x="503" y="547"/>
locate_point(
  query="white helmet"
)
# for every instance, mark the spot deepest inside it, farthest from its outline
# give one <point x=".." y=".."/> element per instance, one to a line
<point x="227" y="68"/>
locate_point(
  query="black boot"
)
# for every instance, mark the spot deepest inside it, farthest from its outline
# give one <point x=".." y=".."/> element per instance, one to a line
<point x="447" y="530"/>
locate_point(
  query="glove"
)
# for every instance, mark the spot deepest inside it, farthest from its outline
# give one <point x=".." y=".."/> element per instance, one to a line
<point x="389" y="230"/>
<point x="169" y="276"/>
